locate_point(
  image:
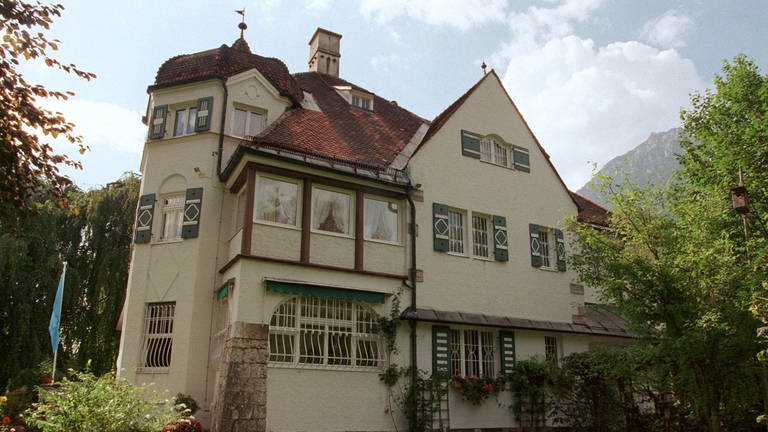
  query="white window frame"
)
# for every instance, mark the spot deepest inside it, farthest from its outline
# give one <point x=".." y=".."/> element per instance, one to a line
<point x="495" y="151"/>
<point x="398" y="215"/>
<point x="473" y="352"/>
<point x="350" y="221"/>
<point x="249" y="113"/>
<point x="482" y="236"/>
<point x="257" y="202"/>
<point x="305" y="332"/>
<point x="189" y="115"/>
<point x="552" y="352"/>
<point x="157" y="337"/>
<point x="172" y="216"/>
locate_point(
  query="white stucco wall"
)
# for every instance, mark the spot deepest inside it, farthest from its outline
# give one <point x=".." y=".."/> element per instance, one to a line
<point x="463" y="283"/>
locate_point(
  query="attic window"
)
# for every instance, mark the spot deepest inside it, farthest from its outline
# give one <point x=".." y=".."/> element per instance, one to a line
<point x="355" y="97"/>
<point x="363" y="102"/>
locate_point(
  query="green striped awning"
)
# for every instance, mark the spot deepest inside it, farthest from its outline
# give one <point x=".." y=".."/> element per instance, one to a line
<point x="307" y="290"/>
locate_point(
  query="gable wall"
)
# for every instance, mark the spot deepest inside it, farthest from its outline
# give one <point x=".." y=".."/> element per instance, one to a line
<point x="460" y="283"/>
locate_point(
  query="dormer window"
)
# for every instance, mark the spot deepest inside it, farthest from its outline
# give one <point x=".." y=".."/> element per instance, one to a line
<point x="362" y="102"/>
<point x="356" y="98"/>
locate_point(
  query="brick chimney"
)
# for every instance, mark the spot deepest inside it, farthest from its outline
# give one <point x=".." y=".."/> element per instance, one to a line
<point x="324" y="52"/>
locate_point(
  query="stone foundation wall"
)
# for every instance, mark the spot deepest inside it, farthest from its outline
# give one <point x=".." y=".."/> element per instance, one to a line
<point x="240" y="397"/>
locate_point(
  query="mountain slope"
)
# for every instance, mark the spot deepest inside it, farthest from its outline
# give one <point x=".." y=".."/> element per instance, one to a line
<point x="651" y="163"/>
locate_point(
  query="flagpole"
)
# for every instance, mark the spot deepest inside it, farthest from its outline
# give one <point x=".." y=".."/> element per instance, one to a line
<point x="53" y="326"/>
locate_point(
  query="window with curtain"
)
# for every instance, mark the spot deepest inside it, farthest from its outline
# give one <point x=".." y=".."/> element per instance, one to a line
<point x="381" y="220"/>
<point x="276" y="201"/>
<point x="331" y="211"/>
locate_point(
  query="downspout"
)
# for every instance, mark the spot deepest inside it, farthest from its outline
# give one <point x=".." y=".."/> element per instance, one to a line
<point x="220" y="150"/>
<point x="411" y="315"/>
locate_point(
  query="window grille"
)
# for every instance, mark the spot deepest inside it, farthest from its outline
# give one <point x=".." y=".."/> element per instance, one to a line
<point x="486" y="150"/>
<point x="158" y="336"/>
<point x="500" y="153"/>
<point x="472" y="353"/>
<point x="324" y="332"/>
<point x="544" y="248"/>
<point x="551" y="349"/>
<point x="480" y="235"/>
<point x="455" y="231"/>
<point x="495" y="152"/>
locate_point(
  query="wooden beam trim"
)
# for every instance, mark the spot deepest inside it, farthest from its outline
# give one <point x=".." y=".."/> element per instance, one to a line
<point x="250" y="196"/>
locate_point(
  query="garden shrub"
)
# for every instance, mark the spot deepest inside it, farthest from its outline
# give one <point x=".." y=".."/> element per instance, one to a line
<point x="104" y="404"/>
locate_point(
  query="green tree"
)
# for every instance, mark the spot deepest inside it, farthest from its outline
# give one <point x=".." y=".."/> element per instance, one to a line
<point x="678" y="279"/>
<point x="28" y="165"/>
<point x="93" y="234"/>
<point x="675" y="261"/>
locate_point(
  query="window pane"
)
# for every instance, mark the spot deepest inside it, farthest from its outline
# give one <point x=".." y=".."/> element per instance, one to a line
<point x="255" y="123"/>
<point x="501" y="155"/>
<point x="551" y="349"/>
<point x="455" y="231"/>
<point x="191" y="120"/>
<point x="238" y="123"/>
<point x="486" y="148"/>
<point x="180" y="123"/>
<point x="173" y="216"/>
<point x="158" y="335"/>
<point x="381" y="220"/>
<point x="324" y="332"/>
<point x="480" y="236"/>
<point x="330" y="211"/>
<point x="276" y="201"/>
<point x="488" y="354"/>
<point x="544" y="251"/>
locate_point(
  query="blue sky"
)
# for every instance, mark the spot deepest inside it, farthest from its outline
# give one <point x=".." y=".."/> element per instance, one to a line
<point x="593" y="78"/>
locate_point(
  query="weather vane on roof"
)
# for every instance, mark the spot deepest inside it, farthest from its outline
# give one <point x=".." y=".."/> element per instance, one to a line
<point x="242" y="26"/>
<point x="483" y="66"/>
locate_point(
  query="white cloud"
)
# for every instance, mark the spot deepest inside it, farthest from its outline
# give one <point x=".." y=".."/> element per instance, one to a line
<point x="667" y="30"/>
<point x="462" y="14"/>
<point x="590" y="103"/>
<point x="114" y="134"/>
<point x="313" y="6"/>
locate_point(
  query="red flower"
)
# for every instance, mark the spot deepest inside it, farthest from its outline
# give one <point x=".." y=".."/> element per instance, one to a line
<point x="488" y="387"/>
<point x="6" y="419"/>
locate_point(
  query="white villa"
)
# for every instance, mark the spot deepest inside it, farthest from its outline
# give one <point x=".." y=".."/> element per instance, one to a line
<point x="282" y="214"/>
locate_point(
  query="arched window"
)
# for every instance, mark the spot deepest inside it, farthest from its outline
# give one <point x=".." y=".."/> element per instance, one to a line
<point x="495" y="151"/>
<point x="324" y="332"/>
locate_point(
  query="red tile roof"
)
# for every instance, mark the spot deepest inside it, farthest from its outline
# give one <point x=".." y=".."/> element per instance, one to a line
<point x="342" y="131"/>
<point x="590" y="212"/>
<point x="226" y="61"/>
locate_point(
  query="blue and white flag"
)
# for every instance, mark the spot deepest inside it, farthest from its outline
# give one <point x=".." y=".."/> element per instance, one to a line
<point x="53" y="327"/>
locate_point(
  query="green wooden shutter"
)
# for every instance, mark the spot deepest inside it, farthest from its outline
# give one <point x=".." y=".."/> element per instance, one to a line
<point x="440" y="226"/>
<point x="507" y="351"/>
<point x="521" y="158"/>
<point x="144" y="218"/>
<point x="470" y="144"/>
<point x="192" y="206"/>
<point x="500" y="251"/>
<point x="560" y="250"/>
<point x="204" y="109"/>
<point x="441" y="352"/>
<point x="157" y="125"/>
<point x="534" y="229"/>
